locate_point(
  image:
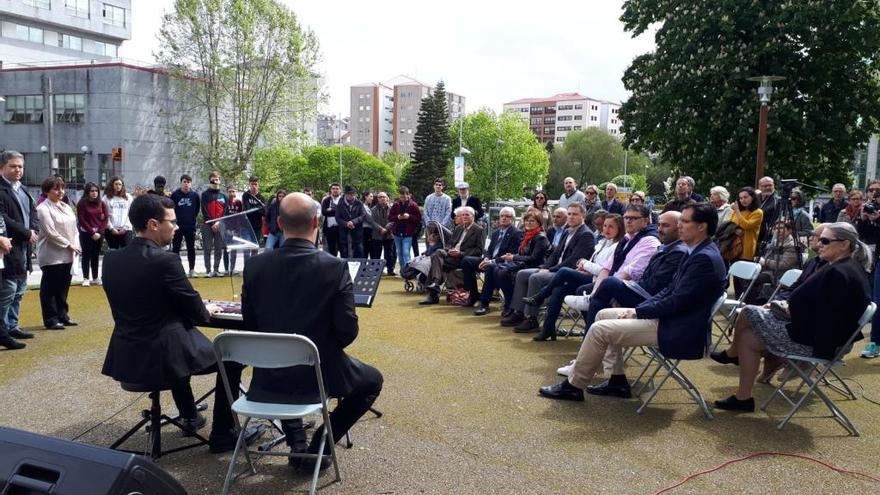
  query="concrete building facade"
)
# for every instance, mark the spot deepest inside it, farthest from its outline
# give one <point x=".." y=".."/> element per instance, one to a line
<point x="553" y="118"/>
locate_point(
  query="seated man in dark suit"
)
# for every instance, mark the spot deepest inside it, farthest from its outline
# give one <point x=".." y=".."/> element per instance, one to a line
<point x="467" y="240"/>
<point x="299" y="289"/>
<point x="676" y="318"/>
<point x="505" y="240"/>
<point x="558" y="226"/>
<point x="154" y="341"/>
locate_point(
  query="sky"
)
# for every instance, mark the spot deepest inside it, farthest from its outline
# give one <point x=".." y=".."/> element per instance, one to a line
<point x="489" y="51"/>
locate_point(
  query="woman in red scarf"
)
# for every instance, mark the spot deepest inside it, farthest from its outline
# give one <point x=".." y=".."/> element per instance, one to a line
<point x="853" y="209"/>
<point x="531" y="253"/>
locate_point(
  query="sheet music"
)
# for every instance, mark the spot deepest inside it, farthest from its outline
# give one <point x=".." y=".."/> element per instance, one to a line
<point x="353" y="268"/>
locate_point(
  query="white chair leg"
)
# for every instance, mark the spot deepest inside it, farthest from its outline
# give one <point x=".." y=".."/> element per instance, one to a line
<point x="227" y="483"/>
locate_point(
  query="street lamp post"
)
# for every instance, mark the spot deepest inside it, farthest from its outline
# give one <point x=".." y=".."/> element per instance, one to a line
<point x="498" y="143"/>
<point x="765" y="92"/>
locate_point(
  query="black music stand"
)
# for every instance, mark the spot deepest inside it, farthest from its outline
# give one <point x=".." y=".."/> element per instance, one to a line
<point x="365" y="277"/>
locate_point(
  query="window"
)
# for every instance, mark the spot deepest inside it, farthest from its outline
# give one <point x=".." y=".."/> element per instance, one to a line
<point x="106" y="49"/>
<point x="70" y="168"/>
<point x="577" y="127"/>
<point x="564" y="117"/>
<point x="70" y="108"/>
<point x="549" y="120"/>
<point x="594" y="107"/>
<point x="548" y="130"/>
<point x="79" y="8"/>
<point x="613" y="121"/>
<point x="43" y="4"/>
<point x="565" y="107"/>
<point x="549" y="109"/>
<point x="108" y="168"/>
<point x="579" y="107"/>
<point x="578" y="117"/>
<point x="24" y="109"/>
<point x="536" y="121"/>
<point x="71" y="42"/>
<point x="28" y="33"/>
<point x="536" y="110"/>
<point x="593" y="118"/>
<point x="560" y="139"/>
<point x="564" y="128"/>
<point x="114" y="15"/>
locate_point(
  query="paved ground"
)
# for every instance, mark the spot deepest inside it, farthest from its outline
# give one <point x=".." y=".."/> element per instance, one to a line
<point x="462" y="415"/>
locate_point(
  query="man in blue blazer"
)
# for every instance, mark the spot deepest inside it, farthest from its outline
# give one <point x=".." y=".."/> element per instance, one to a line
<point x="676" y="318"/>
<point x="505" y="240"/>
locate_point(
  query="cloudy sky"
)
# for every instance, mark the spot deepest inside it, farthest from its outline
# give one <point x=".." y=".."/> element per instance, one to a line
<point x="490" y="51"/>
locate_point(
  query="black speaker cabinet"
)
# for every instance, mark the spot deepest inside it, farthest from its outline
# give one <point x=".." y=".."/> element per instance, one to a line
<point x="32" y="464"/>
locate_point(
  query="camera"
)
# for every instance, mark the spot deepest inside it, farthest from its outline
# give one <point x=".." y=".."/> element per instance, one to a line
<point x="870" y="208"/>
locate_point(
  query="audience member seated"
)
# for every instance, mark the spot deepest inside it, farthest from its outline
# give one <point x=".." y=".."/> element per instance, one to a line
<point x="780" y="256"/>
<point x="627" y="293"/>
<point x="530" y="253"/>
<point x="820" y="316"/>
<point x="567" y="280"/>
<point x="467" y="240"/>
<point x="597" y="223"/>
<point x="676" y="319"/>
<point x="577" y="242"/>
<point x="557" y="229"/>
<point x="504" y="240"/>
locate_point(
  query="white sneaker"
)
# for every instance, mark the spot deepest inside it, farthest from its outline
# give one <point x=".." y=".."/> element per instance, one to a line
<point x="86" y="283"/>
<point x="96" y="281"/>
<point x="578" y="303"/>
<point x="215" y="273"/>
<point x="192" y="274"/>
<point x="566" y="370"/>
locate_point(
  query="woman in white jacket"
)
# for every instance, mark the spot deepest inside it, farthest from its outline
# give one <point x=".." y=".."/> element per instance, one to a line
<point x="118" y="201"/>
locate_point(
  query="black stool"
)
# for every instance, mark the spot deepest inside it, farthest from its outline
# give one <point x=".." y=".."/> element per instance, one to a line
<point x="154" y="420"/>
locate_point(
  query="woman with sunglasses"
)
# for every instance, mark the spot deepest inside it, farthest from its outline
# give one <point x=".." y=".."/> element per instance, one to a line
<point x="93" y="216"/>
<point x="815" y="321"/>
<point x="539" y="206"/>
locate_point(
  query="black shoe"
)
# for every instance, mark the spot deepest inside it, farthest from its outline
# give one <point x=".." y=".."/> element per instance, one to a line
<point x="55" y="326"/>
<point x="20" y="334"/>
<point x="528" y="325"/>
<point x="225" y="442"/>
<point x="192" y="425"/>
<point x="723" y="358"/>
<point x="514" y="319"/>
<point x="607" y="389"/>
<point x="69" y="323"/>
<point x="482" y="310"/>
<point x="562" y="391"/>
<point x="543" y="337"/>
<point x="535" y="300"/>
<point x="506" y="312"/>
<point x="431" y="298"/>
<point x="392" y="274"/>
<point x="10" y="343"/>
<point x="733" y="404"/>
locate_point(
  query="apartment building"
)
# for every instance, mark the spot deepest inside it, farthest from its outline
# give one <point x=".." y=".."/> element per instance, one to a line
<point x="552" y="118"/>
<point x="384" y="116"/>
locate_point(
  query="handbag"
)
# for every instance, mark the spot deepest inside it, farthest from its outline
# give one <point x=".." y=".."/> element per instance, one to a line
<point x="458" y="297"/>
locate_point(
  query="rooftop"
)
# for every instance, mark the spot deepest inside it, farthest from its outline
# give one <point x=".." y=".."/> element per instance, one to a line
<point x="557" y="98"/>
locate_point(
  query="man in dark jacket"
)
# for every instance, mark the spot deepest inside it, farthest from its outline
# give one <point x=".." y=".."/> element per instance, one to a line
<point x="20" y="216"/>
<point x="467" y="240"/>
<point x="299" y="289"/>
<point x="505" y="240"/>
<point x="214" y="205"/>
<point x="383" y="237"/>
<point x="831" y="210"/>
<point x="676" y="319"/>
<point x="330" y="227"/>
<point x="154" y="341"/>
<point x="187" y="206"/>
<point x="464" y="198"/>
<point x="611" y="204"/>
<point x="350" y="217"/>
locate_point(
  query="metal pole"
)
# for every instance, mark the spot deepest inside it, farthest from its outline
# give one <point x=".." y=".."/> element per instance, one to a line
<point x="49" y="108"/>
<point x="625" y="155"/>
<point x="762" y="142"/>
<point x="340" y="162"/>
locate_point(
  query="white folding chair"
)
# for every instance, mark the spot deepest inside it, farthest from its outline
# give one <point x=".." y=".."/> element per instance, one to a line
<point x="813" y="371"/>
<point x="786" y="281"/>
<point x="672" y="369"/>
<point x="273" y="350"/>
<point x="744" y="270"/>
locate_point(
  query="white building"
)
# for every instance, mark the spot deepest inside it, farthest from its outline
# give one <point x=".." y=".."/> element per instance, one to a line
<point x="552" y="118"/>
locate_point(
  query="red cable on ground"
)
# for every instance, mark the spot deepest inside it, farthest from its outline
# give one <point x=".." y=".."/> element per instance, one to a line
<point x="761" y="454"/>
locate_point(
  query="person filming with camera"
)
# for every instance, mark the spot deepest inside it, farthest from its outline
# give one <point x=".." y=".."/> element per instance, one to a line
<point x="868" y="227"/>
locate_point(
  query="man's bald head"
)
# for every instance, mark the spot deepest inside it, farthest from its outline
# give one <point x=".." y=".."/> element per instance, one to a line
<point x="667" y="226"/>
<point x="298" y="216"/>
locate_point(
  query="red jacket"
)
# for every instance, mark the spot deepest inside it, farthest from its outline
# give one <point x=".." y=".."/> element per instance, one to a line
<point x="408" y="227"/>
<point x="93" y="217"/>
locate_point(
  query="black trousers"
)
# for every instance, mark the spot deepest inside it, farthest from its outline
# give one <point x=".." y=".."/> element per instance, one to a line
<point x="390" y="252"/>
<point x="91" y="250"/>
<point x="368" y="242"/>
<point x="54" y="285"/>
<point x="188" y="233"/>
<point x="356" y="236"/>
<point x="470" y="265"/>
<point x="222" y="422"/>
<point x="117" y="241"/>
<point x="415" y="244"/>
<point x="331" y="235"/>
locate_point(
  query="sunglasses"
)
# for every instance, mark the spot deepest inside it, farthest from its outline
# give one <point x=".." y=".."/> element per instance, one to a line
<point x="826" y="241"/>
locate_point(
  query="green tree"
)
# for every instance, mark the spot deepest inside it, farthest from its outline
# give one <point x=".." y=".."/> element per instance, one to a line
<point x="636" y="182"/>
<point x="398" y="162"/>
<point x="243" y="70"/>
<point x="692" y="104"/>
<point x="505" y="160"/>
<point x="318" y="167"/>
<point x="429" y="157"/>
<point x="590" y="157"/>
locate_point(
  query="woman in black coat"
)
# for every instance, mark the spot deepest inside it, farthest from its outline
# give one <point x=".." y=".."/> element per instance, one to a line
<point x="820" y="317"/>
<point x="531" y="254"/>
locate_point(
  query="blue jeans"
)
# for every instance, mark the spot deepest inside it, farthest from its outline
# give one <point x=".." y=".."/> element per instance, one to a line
<point x="403" y="246"/>
<point x="11" y="292"/>
<point x="611" y="289"/>
<point x="875" y="323"/>
<point x="274" y="240"/>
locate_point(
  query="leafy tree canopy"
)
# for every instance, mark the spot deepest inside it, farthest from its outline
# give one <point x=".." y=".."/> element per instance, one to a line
<point x="429" y="157"/>
<point x="590" y="157"/>
<point x="692" y="104"/>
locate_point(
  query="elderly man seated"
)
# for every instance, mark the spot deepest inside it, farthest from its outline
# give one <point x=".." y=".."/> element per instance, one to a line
<point x="677" y="318"/>
<point x="467" y="240"/>
<point x="505" y="239"/>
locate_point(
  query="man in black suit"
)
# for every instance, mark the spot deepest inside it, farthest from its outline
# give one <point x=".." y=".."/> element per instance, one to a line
<point x="465" y="199"/>
<point x="350" y="214"/>
<point x="299" y="289"/>
<point x="330" y="228"/>
<point x="20" y="215"/>
<point x="611" y="204"/>
<point x="154" y="341"/>
<point x="505" y="240"/>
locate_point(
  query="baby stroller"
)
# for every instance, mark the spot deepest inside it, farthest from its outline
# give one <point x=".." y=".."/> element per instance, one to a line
<point x="415" y="273"/>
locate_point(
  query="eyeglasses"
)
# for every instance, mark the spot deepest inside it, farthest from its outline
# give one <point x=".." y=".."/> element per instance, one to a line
<point x="631" y="218"/>
<point x="826" y="241"/>
<point x="873" y="189"/>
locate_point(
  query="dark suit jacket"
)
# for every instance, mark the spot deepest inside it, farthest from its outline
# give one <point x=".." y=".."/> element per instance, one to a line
<point x="355" y="213"/>
<point x="615" y="207"/>
<point x="826" y="308"/>
<point x="663" y="267"/>
<point x="473" y="240"/>
<point x="154" y="309"/>
<point x="581" y="246"/>
<point x="328" y="210"/>
<point x="535" y="252"/>
<point x="18" y="262"/>
<point x="300" y="289"/>
<point x="472" y="201"/>
<point x="551" y="233"/>
<point x="510" y="243"/>
<point x="684" y="306"/>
